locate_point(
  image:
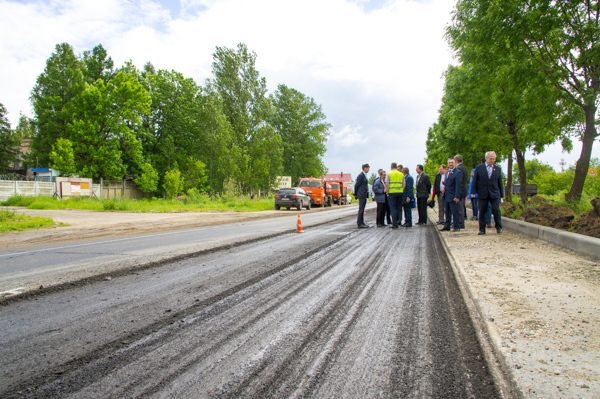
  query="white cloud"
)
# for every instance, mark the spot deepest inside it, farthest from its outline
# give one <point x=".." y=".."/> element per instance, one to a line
<point x="374" y="65"/>
<point x="348" y="136"/>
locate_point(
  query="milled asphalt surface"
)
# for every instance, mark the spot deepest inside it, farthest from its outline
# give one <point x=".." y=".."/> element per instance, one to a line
<point x="334" y="312"/>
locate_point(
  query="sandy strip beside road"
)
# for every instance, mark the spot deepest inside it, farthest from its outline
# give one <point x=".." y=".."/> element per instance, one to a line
<point x="79" y="224"/>
<point x="544" y="303"/>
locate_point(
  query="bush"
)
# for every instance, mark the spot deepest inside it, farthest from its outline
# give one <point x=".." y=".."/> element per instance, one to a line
<point x="173" y="183"/>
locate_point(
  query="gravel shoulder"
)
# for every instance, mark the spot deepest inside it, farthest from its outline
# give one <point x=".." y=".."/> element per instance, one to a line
<point x="541" y="303"/>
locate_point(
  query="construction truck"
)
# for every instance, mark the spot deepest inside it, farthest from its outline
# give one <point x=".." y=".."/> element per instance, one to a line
<point x="317" y="189"/>
<point x="339" y="192"/>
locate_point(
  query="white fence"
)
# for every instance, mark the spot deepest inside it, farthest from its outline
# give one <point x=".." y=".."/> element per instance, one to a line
<point x="10" y="188"/>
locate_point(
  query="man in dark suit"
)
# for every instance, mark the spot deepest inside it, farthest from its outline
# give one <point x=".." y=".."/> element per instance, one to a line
<point x="462" y="205"/>
<point x="487" y="183"/>
<point x="361" y="191"/>
<point x="452" y="190"/>
<point x="423" y="190"/>
<point x="407" y="196"/>
<point x="438" y="189"/>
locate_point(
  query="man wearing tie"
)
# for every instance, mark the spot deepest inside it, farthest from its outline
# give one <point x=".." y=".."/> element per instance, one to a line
<point x="438" y="189"/>
<point x="361" y="191"/>
<point x="452" y="192"/>
<point x="423" y="189"/>
<point x="487" y="183"/>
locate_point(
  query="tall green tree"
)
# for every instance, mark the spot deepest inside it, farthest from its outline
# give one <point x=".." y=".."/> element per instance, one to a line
<point x="97" y="65"/>
<point x="25" y="127"/>
<point x="302" y="125"/>
<point x="170" y="132"/>
<point x="245" y="104"/>
<point x="561" y="39"/>
<point x="102" y="129"/>
<point x="52" y="99"/>
<point x="216" y="149"/>
<point x="8" y="141"/>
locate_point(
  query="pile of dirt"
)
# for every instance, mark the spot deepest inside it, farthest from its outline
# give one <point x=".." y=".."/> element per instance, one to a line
<point x="548" y="214"/>
<point x="509" y="208"/>
<point x="537" y="200"/>
<point x="589" y="222"/>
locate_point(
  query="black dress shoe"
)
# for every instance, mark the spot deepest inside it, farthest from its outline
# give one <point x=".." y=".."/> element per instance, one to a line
<point x="445" y="229"/>
<point x="393" y="227"/>
<point x="363" y="226"/>
<point x="481" y="232"/>
<point x="455" y="230"/>
<point x="499" y="231"/>
<point x="440" y="223"/>
<point x="380" y="225"/>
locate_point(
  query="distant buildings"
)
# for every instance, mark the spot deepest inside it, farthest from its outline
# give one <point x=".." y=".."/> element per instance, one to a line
<point x="345" y="177"/>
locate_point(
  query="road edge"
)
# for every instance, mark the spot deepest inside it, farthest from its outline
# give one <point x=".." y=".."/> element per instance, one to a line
<point x="487" y="335"/>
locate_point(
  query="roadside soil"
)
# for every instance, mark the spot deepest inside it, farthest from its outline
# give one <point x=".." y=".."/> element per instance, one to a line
<point x="543" y="212"/>
<point x="541" y="302"/>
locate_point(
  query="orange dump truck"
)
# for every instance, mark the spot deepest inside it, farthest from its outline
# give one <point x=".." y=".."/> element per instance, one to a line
<point x="318" y="190"/>
<point x="339" y="192"/>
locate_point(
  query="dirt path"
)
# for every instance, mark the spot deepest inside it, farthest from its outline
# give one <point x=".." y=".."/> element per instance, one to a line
<point x="543" y="302"/>
<point x="75" y="225"/>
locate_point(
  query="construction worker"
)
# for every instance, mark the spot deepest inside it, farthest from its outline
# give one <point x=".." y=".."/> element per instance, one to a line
<point x="395" y="190"/>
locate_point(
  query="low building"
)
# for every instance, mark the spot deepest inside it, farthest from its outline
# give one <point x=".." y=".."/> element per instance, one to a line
<point x="44" y="174"/>
<point x="345" y="177"/>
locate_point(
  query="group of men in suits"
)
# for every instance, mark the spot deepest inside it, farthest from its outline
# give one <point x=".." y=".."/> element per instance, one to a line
<point x="394" y="198"/>
<point x="451" y="185"/>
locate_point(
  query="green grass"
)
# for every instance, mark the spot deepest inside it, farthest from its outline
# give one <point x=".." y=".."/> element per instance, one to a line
<point x="197" y="202"/>
<point x="11" y="221"/>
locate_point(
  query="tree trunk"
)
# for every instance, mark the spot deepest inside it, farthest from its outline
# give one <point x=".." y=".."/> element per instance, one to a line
<point x="522" y="176"/>
<point x="520" y="162"/>
<point x="509" y="179"/>
<point x="583" y="163"/>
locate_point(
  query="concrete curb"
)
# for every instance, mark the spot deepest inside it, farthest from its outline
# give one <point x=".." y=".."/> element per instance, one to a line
<point x="488" y="336"/>
<point x="579" y="243"/>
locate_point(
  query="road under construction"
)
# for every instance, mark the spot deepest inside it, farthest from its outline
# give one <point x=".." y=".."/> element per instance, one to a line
<point x="334" y="312"/>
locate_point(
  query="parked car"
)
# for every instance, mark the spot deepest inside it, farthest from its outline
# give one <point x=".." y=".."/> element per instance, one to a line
<point x="289" y="197"/>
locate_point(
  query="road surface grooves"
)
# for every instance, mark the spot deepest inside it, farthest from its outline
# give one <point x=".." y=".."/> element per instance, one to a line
<point x="335" y="312"/>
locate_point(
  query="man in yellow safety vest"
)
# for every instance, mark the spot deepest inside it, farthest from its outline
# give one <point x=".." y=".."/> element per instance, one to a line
<point x="395" y="190"/>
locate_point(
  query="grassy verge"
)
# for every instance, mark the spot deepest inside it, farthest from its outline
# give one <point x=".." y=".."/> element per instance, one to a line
<point x="195" y="203"/>
<point x="11" y="221"/>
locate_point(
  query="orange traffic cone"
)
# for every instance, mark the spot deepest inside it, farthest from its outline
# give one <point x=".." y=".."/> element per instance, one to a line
<point x="299" y="226"/>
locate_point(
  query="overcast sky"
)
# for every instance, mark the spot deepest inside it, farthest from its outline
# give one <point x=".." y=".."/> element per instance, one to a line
<point x="374" y="66"/>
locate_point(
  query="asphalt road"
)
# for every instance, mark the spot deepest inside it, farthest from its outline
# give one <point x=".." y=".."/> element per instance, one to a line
<point x="335" y="312"/>
<point x="47" y="264"/>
